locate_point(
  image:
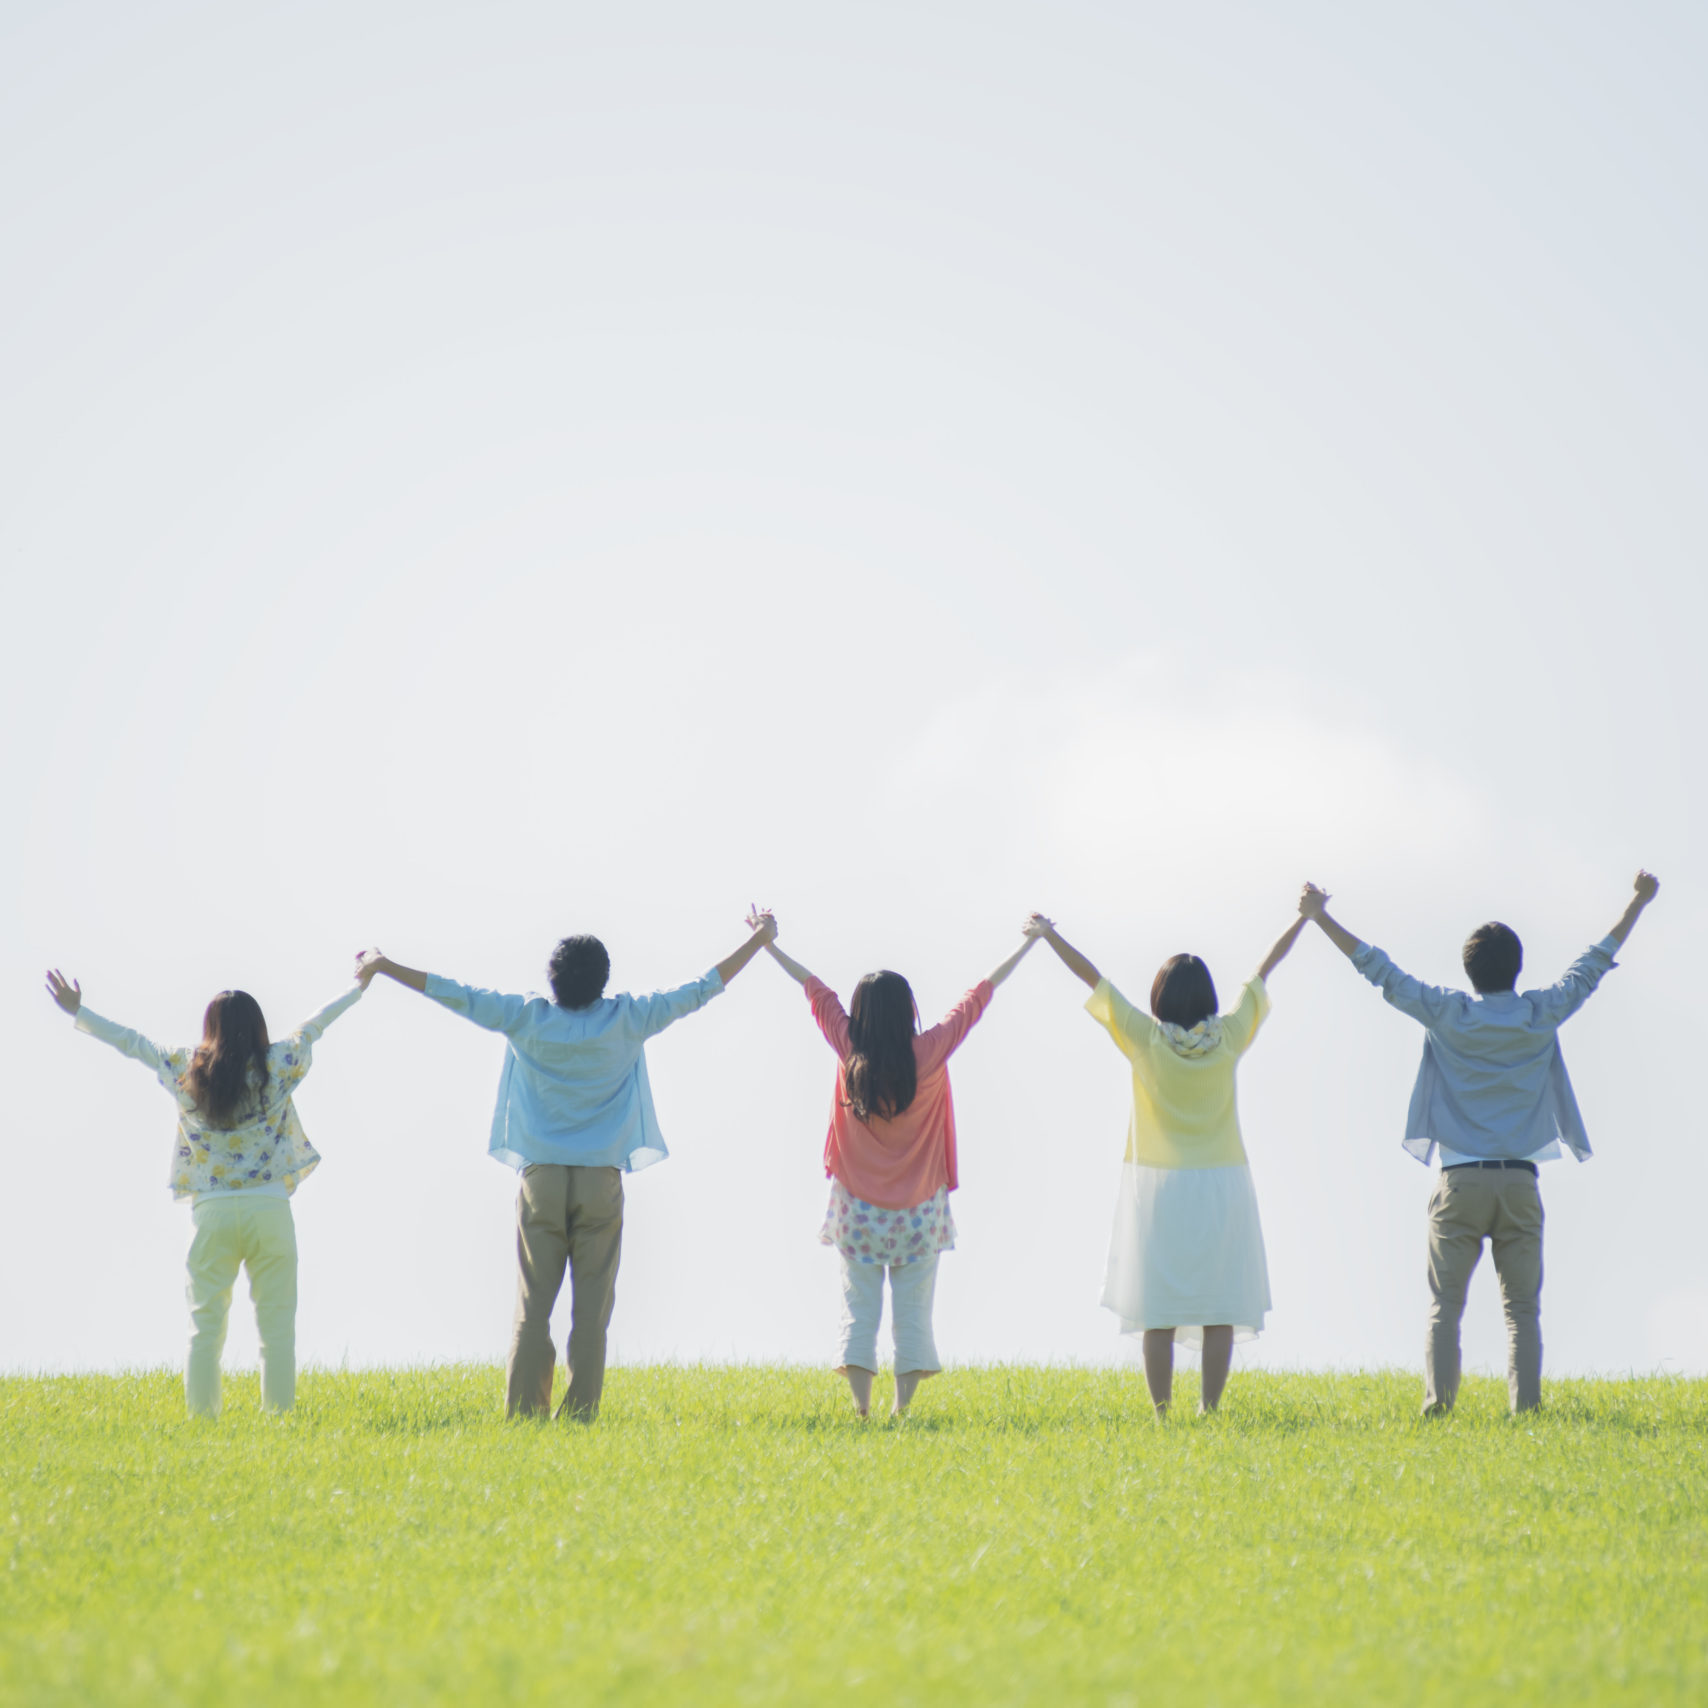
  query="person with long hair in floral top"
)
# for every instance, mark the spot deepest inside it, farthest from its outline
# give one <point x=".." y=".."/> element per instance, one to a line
<point x="890" y="1156"/>
<point x="1186" y="1258"/>
<point x="239" y="1154"/>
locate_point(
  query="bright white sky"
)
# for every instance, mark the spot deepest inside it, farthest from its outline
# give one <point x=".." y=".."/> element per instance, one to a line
<point x="474" y="473"/>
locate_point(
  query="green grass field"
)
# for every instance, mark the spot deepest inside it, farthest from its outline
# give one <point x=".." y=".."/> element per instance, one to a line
<point x="736" y="1535"/>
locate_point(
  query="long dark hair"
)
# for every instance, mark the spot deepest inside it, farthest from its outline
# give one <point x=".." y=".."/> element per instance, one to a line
<point x="234" y="1040"/>
<point x="1183" y="992"/>
<point x="881" y="1074"/>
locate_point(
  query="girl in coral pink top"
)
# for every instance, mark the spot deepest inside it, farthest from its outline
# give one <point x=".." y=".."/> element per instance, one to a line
<point x="890" y="1155"/>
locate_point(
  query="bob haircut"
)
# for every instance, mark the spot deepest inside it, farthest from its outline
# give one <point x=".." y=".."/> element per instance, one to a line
<point x="578" y="970"/>
<point x="1494" y="958"/>
<point x="228" y="1072"/>
<point x="1183" y="993"/>
<point x="881" y="1075"/>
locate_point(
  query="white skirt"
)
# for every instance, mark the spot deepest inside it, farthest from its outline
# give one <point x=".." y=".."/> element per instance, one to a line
<point x="1187" y="1252"/>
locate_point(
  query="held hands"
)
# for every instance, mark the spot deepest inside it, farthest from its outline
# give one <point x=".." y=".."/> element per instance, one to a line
<point x="369" y="962"/>
<point x="1646" y="884"/>
<point x="763" y="924"/>
<point x="67" y="993"/>
<point x="762" y="919"/>
<point x="1312" y="901"/>
<point x="1037" y="926"/>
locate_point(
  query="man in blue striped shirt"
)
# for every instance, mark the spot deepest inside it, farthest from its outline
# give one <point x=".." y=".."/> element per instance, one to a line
<point x="1493" y="1096"/>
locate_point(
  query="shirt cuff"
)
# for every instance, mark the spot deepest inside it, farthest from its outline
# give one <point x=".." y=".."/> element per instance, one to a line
<point x="1609" y="946"/>
<point x="714" y="980"/>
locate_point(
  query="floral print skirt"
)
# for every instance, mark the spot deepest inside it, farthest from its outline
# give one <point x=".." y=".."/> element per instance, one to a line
<point x="868" y="1233"/>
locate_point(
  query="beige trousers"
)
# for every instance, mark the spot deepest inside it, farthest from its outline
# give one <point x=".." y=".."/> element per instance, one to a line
<point x="1503" y="1206"/>
<point x="570" y="1216"/>
<point x="257" y="1234"/>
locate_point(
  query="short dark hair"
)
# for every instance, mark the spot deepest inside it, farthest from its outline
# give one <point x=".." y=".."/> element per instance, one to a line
<point x="1494" y="958"/>
<point x="1183" y="993"/>
<point x="579" y="968"/>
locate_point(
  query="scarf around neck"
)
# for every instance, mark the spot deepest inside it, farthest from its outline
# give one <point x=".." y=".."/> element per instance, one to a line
<point x="1191" y="1041"/>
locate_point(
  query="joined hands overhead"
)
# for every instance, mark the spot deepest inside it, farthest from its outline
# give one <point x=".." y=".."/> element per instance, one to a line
<point x="762" y="919"/>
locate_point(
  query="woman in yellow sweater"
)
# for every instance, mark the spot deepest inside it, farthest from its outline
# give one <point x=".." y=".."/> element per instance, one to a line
<point x="1186" y="1258"/>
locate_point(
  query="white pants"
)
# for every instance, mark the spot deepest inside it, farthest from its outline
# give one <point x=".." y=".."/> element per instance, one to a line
<point x="259" y="1235"/>
<point x="913" y="1286"/>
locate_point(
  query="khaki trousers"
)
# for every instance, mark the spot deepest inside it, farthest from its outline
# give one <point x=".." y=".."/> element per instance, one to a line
<point x="1503" y="1206"/>
<point x="570" y="1216"/>
<point x="257" y="1234"/>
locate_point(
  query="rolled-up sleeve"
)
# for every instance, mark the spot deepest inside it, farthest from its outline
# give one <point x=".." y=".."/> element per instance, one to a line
<point x="1423" y="1002"/>
<point x="494" y="1010"/>
<point x="663" y="1008"/>
<point x="1561" y="1001"/>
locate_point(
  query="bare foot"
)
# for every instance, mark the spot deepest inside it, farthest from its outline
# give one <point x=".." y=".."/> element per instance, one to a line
<point x="907" y="1385"/>
<point x="859" y="1388"/>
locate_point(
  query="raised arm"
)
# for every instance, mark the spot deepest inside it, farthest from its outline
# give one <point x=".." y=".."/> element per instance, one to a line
<point x="1071" y="958"/>
<point x="491" y="1010"/>
<point x="69" y="995"/>
<point x="789" y="965"/>
<point x="311" y="1029"/>
<point x="1282" y="944"/>
<point x="1032" y="930"/>
<point x="1313" y="904"/>
<point x="1425" y="1003"/>
<point x="1643" y="887"/>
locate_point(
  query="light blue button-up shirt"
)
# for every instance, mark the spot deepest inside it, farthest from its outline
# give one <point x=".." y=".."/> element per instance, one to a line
<point x="1493" y="1085"/>
<point x="574" y="1087"/>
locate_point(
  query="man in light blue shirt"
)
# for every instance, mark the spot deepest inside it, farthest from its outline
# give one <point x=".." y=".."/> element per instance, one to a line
<point x="1493" y="1096"/>
<point x="574" y="1114"/>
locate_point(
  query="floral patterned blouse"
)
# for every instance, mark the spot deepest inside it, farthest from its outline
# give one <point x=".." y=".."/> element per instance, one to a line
<point x="868" y="1233"/>
<point x="268" y="1148"/>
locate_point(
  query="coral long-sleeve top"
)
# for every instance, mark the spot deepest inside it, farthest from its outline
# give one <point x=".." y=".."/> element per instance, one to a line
<point x="897" y="1163"/>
